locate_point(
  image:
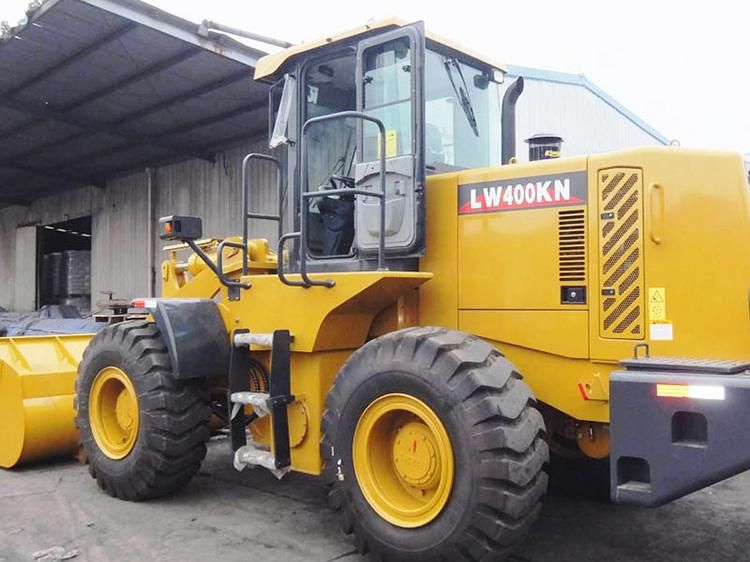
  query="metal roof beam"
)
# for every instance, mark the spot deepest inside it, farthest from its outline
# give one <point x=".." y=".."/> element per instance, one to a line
<point x="133" y="78"/>
<point x="54" y="174"/>
<point x="78" y="55"/>
<point x="173" y="26"/>
<point x="89" y="128"/>
<point x="192" y="125"/>
<point x="67" y="164"/>
<point x="179" y="98"/>
<point x="187" y="127"/>
<point x="122" y="83"/>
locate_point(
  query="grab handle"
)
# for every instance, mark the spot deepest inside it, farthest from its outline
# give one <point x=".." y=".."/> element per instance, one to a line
<point x="656" y="204"/>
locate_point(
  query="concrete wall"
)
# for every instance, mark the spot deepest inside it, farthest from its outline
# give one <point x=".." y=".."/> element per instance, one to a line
<point x="120" y="217"/>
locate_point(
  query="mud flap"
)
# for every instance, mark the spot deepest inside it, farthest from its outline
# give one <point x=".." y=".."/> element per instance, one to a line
<point x="677" y="426"/>
<point x="195" y="336"/>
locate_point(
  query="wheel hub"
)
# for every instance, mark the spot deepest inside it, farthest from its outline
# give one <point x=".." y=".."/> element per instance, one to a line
<point x="403" y="460"/>
<point x="415" y="456"/>
<point x="114" y="413"/>
<point x="124" y="410"/>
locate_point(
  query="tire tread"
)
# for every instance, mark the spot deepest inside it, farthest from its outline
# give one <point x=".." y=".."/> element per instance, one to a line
<point x="507" y="435"/>
<point x="176" y="412"/>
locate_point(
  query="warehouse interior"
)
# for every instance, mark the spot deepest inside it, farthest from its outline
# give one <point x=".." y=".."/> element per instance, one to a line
<point x="64" y="263"/>
<point x="115" y="113"/>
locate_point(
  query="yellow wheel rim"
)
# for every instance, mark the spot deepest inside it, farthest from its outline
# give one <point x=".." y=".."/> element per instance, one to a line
<point x="113" y="412"/>
<point x="403" y="460"/>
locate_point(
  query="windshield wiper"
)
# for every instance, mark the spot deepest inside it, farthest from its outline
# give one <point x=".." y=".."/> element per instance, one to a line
<point x="461" y="90"/>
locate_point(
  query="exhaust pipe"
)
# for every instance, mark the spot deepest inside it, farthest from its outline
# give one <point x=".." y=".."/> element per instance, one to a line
<point x="509" y="119"/>
<point x="208" y="25"/>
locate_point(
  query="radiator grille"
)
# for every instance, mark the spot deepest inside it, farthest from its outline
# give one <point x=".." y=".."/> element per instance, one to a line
<point x="621" y="259"/>
<point x="572" y="246"/>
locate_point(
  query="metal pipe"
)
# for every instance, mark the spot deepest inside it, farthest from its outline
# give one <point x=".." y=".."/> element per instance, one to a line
<point x="246" y="214"/>
<point x="208" y="25"/>
<point x="151" y="214"/>
<point x="245" y="204"/>
<point x="280" y="254"/>
<point x="509" y="119"/>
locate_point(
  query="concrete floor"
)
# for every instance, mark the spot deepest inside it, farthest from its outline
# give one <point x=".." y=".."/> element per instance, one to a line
<point x="228" y="516"/>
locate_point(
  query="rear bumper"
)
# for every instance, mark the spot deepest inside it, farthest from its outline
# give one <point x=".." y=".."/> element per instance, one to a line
<point x="675" y="431"/>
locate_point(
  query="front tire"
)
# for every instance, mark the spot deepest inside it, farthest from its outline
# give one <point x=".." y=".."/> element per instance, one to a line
<point x="395" y="406"/>
<point x="143" y="431"/>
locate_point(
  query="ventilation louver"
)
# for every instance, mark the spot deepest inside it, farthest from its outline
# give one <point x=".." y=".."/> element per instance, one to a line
<point x="572" y="246"/>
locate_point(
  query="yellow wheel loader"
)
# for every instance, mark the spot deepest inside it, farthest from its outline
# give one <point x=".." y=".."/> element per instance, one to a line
<point x="438" y="317"/>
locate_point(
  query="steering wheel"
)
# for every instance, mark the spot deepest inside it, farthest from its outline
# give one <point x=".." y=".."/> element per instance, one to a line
<point x="345" y="181"/>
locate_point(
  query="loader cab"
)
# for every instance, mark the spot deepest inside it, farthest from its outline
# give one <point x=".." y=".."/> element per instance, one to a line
<point x="440" y="111"/>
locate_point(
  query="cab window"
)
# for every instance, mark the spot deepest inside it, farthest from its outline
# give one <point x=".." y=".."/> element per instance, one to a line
<point x="331" y="146"/>
<point x="387" y="96"/>
<point x="462" y="115"/>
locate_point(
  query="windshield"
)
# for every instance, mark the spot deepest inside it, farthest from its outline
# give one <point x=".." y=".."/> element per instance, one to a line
<point x="462" y="115"/>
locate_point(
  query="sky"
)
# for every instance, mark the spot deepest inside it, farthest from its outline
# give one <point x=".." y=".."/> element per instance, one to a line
<point x="683" y="67"/>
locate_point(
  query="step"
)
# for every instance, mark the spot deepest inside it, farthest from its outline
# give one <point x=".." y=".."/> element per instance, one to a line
<point x="258" y="400"/>
<point x="248" y="339"/>
<point x="253" y="455"/>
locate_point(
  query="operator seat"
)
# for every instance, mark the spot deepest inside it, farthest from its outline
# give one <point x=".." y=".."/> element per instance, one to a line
<point x="338" y="220"/>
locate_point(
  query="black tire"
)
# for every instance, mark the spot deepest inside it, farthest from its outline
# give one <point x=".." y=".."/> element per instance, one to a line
<point x="496" y="432"/>
<point x="174" y="415"/>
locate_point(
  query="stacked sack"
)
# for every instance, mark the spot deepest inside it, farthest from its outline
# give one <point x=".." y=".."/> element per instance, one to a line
<point x="75" y="285"/>
<point x="66" y="278"/>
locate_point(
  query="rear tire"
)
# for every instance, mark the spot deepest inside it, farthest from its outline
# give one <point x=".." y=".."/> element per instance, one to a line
<point x="154" y="447"/>
<point x="495" y="431"/>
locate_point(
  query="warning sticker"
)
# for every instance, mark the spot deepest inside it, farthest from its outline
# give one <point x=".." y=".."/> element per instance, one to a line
<point x="391" y="143"/>
<point x="657" y="304"/>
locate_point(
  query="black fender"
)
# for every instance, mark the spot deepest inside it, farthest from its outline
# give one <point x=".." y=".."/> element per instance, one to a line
<point x="195" y="336"/>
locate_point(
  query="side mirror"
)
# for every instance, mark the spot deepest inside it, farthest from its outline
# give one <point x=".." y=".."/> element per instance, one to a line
<point x="278" y="121"/>
<point x="181" y="228"/>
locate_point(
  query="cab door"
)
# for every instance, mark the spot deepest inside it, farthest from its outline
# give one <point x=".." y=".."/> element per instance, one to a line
<point x="390" y="73"/>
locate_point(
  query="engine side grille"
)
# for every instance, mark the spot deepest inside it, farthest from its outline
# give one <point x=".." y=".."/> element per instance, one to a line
<point x="621" y="297"/>
<point x="572" y="246"/>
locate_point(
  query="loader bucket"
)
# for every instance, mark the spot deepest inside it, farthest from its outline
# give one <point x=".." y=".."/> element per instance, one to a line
<point x="37" y="388"/>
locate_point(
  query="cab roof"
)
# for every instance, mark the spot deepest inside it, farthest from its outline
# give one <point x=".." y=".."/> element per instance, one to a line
<point x="269" y="65"/>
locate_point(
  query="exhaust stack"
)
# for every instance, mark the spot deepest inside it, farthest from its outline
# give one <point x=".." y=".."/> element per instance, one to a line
<point x="509" y="119"/>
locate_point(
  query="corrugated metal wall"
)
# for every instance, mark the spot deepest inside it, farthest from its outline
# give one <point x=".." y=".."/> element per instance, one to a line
<point x="119" y="256"/>
<point x="209" y="190"/>
<point x="586" y="122"/>
<point x="120" y="217"/>
<point x="10" y="218"/>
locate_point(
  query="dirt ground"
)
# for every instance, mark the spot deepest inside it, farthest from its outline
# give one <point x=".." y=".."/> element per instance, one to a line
<point x="228" y="516"/>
